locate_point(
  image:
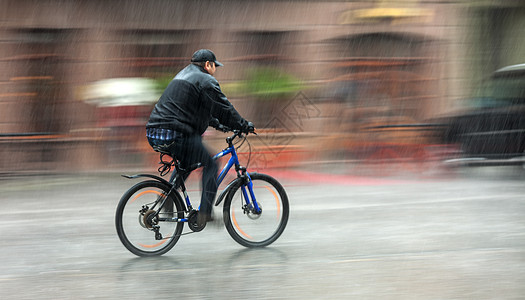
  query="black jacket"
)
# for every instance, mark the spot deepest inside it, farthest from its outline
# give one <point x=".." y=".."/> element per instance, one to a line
<point x="191" y="100"/>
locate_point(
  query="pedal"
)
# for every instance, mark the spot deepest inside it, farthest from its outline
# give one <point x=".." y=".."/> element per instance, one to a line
<point x="158" y="235"/>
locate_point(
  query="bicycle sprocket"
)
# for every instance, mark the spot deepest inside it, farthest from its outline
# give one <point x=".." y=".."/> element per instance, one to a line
<point x="150" y="219"/>
<point x="192" y="221"/>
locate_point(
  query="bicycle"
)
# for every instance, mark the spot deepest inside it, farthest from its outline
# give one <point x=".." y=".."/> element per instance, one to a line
<point x="150" y="216"/>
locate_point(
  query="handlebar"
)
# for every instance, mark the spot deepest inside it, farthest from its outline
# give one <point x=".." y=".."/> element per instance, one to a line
<point x="214" y="122"/>
<point x="236" y="133"/>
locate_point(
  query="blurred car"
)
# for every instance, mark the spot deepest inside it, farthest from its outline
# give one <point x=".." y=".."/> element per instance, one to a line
<point x="492" y="131"/>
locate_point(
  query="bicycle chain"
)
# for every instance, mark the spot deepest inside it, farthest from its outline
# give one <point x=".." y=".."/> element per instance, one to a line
<point x="185" y="233"/>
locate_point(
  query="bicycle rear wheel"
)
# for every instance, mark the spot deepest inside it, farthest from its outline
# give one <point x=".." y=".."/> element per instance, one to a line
<point x="252" y="229"/>
<point x="143" y="226"/>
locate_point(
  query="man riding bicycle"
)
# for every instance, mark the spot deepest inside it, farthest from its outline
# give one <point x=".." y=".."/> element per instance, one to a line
<point x="193" y="101"/>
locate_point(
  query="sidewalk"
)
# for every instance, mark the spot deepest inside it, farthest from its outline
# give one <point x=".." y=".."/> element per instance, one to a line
<point x="310" y="177"/>
<point x="329" y="174"/>
<point x="289" y="176"/>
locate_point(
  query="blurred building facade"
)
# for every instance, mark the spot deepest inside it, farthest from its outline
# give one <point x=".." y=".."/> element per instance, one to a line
<point x="361" y="64"/>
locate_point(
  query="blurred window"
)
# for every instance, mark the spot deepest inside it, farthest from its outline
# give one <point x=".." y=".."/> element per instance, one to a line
<point x="502" y="91"/>
<point x="41" y="59"/>
<point x="265" y="48"/>
<point x="388" y="73"/>
<point x="156" y="53"/>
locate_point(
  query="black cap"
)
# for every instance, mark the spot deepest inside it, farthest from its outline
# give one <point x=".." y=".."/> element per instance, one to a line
<point x="203" y="55"/>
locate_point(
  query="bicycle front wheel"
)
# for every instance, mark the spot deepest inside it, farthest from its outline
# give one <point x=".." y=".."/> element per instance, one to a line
<point x="146" y="219"/>
<point x="249" y="227"/>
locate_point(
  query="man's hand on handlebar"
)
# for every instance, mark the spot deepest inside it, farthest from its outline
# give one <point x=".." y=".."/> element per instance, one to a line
<point x="249" y="128"/>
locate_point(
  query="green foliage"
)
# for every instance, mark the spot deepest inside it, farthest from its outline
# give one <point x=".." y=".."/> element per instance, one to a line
<point x="261" y="83"/>
<point x="162" y="82"/>
<point x="270" y="83"/>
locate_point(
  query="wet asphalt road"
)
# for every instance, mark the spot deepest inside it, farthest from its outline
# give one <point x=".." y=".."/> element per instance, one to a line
<point x="460" y="237"/>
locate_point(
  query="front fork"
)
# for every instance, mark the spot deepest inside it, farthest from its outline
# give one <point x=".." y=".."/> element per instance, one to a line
<point x="251" y="204"/>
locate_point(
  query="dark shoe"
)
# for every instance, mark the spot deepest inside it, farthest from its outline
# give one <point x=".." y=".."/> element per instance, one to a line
<point x="202" y="219"/>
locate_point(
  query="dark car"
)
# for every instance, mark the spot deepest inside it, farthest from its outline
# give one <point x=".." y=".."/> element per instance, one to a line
<point x="492" y="132"/>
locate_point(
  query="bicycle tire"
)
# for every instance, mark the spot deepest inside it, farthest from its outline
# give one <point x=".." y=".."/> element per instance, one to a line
<point x="132" y="226"/>
<point x="253" y="230"/>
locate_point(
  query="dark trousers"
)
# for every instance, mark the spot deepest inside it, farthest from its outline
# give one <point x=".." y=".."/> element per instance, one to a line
<point x="190" y="150"/>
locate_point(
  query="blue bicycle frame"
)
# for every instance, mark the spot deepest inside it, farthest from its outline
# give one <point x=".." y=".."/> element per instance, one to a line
<point x="234" y="161"/>
<point x="242" y="174"/>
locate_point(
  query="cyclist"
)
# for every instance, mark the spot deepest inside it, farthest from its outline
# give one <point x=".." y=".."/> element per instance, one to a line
<point x="192" y="101"/>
